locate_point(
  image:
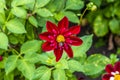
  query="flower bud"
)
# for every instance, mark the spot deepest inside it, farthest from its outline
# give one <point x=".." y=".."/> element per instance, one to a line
<point x="91" y="6"/>
<point x="94" y="8"/>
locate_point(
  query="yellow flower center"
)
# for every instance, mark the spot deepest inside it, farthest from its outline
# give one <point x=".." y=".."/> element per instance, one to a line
<point x="60" y="38"/>
<point x="117" y="77"/>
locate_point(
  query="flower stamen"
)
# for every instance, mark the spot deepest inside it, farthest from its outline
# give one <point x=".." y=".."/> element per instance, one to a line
<point x="117" y="77"/>
<point x="60" y="38"/>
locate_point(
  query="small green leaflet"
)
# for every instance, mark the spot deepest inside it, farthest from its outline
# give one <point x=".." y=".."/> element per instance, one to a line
<point x="42" y="73"/>
<point x="3" y="41"/>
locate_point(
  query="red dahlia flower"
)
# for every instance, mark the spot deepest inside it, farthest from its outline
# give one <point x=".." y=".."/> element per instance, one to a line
<point x="113" y="72"/>
<point x="59" y="38"/>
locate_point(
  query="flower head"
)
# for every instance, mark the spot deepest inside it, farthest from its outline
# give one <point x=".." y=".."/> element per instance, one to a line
<point x="113" y="72"/>
<point x="60" y="37"/>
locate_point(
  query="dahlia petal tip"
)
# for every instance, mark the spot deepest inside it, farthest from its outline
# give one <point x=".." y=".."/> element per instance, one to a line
<point x="109" y="68"/>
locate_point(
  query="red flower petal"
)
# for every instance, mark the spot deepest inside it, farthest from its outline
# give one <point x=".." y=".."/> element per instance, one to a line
<point x="72" y="30"/>
<point x="74" y="41"/>
<point x="109" y="68"/>
<point x="51" y="27"/>
<point x="106" y="77"/>
<point x="58" y="53"/>
<point x="63" y="25"/>
<point x="47" y="46"/>
<point x="117" y="66"/>
<point x="46" y="36"/>
<point x="68" y="50"/>
<point x="1" y="58"/>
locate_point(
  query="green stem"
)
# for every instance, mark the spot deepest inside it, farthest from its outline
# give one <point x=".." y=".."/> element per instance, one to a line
<point x="4" y="26"/>
<point x="34" y="7"/>
<point x="12" y="49"/>
<point x="81" y="17"/>
<point x="8" y="16"/>
<point x="19" y="54"/>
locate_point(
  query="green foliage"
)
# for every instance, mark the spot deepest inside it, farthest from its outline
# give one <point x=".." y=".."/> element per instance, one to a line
<point x="62" y="64"/>
<point x="41" y="3"/>
<point x="75" y="66"/>
<point x="113" y="58"/>
<point x="19" y="12"/>
<point x="26" y="68"/>
<point x="2" y="16"/>
<point x="3" y="41"/>
<point x="33" y="21"/>
<point x="114" y="26"/>
<point x="9" y="77"/>
<point x="44" y="12"/>
<point x="59" y="74"/>
<point x="105" y="19"/>
<point x="32" y="57"/>
<point x="79" y="51"/>
<point x="21" y="21"/>
<point x="95" y="64"/>
<point x="100" y="26"/>
<point x="42" y="73"/>
<point x="30" y="46"/>
<point x="11" y="63"/>
<point x="15" y="26"/>
<point x="74" y="4"/>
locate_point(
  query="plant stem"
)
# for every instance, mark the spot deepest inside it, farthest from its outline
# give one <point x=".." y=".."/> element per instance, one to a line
<point x="34" y="7"/>
<point x="81" y="17"/>
<point x="4" y="26"/>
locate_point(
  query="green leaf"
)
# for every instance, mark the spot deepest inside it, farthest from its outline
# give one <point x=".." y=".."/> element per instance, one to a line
<point x="95" y="64"/>
<point x="75" y="66"/>
<point x="26" y="68"/>
<point x="44" y="12"/>
<point x="31" y="46"/>
<point x="41" y="3"/>
<point x="100" y="26"/>
<point x="74" y="4"/>
<point x="42" y="21"/>
<point x="2" y="3"/>
<point x="2" y="63"/>
<point x="3" y="41"/>
<point x="59" y="74"/>
<point x="2" y="16"/>
<point x="45" y="59"/>
<point x="79" y="51"/>
<point x="21" y="2"/>
<point x="113" y="58"/>
<point x="13" y="39"/>
<point x="32" y="57"/>
<point x="30" y="32"/>
<point x="19" y="12"/>
<point x="97" y="2"/>
<point x="2" y="73"/>
<point x="110" y="1"/>
<point x="114" y="26"/>
<point x="15" y="26"/>
<point x="56" y="5"/>
<point x="71" y="16"/>
<point x="42" y="73"/>
<point x="10" y="64"/>
<point x="62" y="64"/>
<point x="9" y="77"/>
<point x="33" y="21"/>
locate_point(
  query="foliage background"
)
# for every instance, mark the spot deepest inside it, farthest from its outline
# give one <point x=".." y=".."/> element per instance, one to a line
<point x="22" y="20"/>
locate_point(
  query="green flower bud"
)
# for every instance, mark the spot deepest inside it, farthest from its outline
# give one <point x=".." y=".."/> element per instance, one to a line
<point x="91" y="6"/>
<point x="94" y="8"/>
